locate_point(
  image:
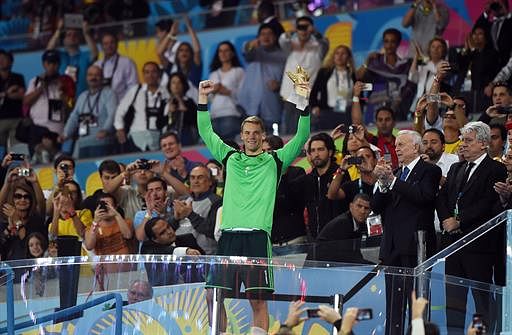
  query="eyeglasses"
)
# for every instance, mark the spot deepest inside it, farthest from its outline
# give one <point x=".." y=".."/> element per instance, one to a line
<point x="19" y="196"/>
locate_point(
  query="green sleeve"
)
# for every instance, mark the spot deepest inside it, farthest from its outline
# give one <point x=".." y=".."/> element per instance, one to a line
<point x="213" y="142"/>
<point x="292" y="149"/>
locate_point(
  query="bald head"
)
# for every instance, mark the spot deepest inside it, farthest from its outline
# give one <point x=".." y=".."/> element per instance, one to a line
<point x="94" y="77"/>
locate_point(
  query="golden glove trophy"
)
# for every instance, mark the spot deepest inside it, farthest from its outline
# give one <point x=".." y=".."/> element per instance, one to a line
<point x="300" y="80"/>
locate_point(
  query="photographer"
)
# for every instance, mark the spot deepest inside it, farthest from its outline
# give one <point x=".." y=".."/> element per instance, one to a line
<point x="501" y="107"/>
<point x="50" y="97"/>
<point x="64" y="170"/>
<point x="109" y="234"/>
<point x="21" y="172"/>
<point x="132" y="199"/>
<point x="68" y="219"/>
<point x="92" y="118"/>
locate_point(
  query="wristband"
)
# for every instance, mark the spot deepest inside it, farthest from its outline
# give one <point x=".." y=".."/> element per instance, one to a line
<point x="355" y="99"/>
<point x="72" y="214"/>
<point x="337" y="324"/>
<point x="171" y="37"/>
<point x="436" y="78"/>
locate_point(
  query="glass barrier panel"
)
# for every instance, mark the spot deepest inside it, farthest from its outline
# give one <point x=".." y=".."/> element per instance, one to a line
<point x="176" y="301"/>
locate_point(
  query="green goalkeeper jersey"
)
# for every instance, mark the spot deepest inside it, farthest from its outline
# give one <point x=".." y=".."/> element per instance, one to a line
<point x="251" y="181"/>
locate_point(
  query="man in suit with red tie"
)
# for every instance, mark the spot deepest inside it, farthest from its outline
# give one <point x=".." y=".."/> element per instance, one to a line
<point x="466" y="201"/>
<point x="406" y="201"/>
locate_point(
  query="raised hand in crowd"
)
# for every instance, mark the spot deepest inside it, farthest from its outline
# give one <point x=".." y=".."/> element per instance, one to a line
<point x="295" y="310"/>
<point x="338" y="132"/>
<point x="182" y="209"/>
<point x="442" y="70"/>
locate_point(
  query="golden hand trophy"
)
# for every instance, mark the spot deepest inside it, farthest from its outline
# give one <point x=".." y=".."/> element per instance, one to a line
<point x="300" y="80"/>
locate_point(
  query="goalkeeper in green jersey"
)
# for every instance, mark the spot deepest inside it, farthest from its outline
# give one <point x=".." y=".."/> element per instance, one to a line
<point x="252" y="177"/>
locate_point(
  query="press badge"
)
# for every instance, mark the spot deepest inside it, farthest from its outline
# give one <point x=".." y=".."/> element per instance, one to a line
<point x="55" y="112"/>
<point x="152" y="123"/>
<point x="152" y="117"/>
<point x="374" y="225"/>
<point x="83" y="129"/>
<point x="341" y="104"/>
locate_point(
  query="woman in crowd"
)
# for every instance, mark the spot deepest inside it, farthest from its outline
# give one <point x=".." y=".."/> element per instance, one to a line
<point x="22" y="216"/>
<point x="68" y="219"/>
<point x="227" y="74"/>
<point x="422" y="72"/>
<point x="187" y="58"/>
<point x="331" y="95"/>
<point x="181" y="110"/>
<point x="479" y="57"/>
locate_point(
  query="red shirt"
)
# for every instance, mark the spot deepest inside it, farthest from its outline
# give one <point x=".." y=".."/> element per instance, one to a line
<point x="386" y="147"/>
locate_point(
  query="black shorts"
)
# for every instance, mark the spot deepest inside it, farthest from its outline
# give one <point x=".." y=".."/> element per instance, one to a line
<point x="257" y="278"/>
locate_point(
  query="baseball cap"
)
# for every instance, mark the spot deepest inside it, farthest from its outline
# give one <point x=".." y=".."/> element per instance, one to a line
<point x="51" y="56"/>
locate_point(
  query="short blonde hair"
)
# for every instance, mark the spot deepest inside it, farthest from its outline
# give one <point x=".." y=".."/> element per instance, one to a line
<point x="253" y="119"/>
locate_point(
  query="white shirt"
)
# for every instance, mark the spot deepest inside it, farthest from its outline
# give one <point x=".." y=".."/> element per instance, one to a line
<point x="339" y="84"/>
<point x="170" y="53"/>
<point x="477" y="163"/>
<point x="39" y="111"/>
<point x="124" y="76"/>
<point x="157" y="99"/>
<point x="224" y="105"/>
<point x="446" y="161"/>
<point x="310" y="58"/>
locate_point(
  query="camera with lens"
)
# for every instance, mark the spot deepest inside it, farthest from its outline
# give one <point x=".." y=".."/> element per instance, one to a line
<point x="64" y="168"/>
<point x="24" y="172"/>
<point x="144" y="164"/>
<point x="103" y="205"/>
<point x="504" y="110"/>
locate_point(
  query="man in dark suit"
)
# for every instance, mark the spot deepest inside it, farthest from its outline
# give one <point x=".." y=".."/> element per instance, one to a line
<point x="466" y="201"/>
<point x="406" y="202"/>
<point x="340" y="239"/>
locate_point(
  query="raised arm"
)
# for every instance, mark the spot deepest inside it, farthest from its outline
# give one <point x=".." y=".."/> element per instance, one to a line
<point x="54" y="40"/>
<point x="196" y="45"/>
<point x="291" y="150"/>
<point x="90" y="41"/>
<point x="214" y="143"/>
<point x="356" y="111"/>
<point x="166" y="43"/>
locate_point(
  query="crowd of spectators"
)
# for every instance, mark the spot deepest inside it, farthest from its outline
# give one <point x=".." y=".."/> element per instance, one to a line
<point x="427" y="179"/>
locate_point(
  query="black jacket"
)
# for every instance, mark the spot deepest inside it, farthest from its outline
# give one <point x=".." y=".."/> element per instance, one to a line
<point x="314" y="192"/>
<point x="478" y="202"/>
<point x="407" y="208"/>
<point x="339" y="242"/>
<point x="289" y="207"/>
